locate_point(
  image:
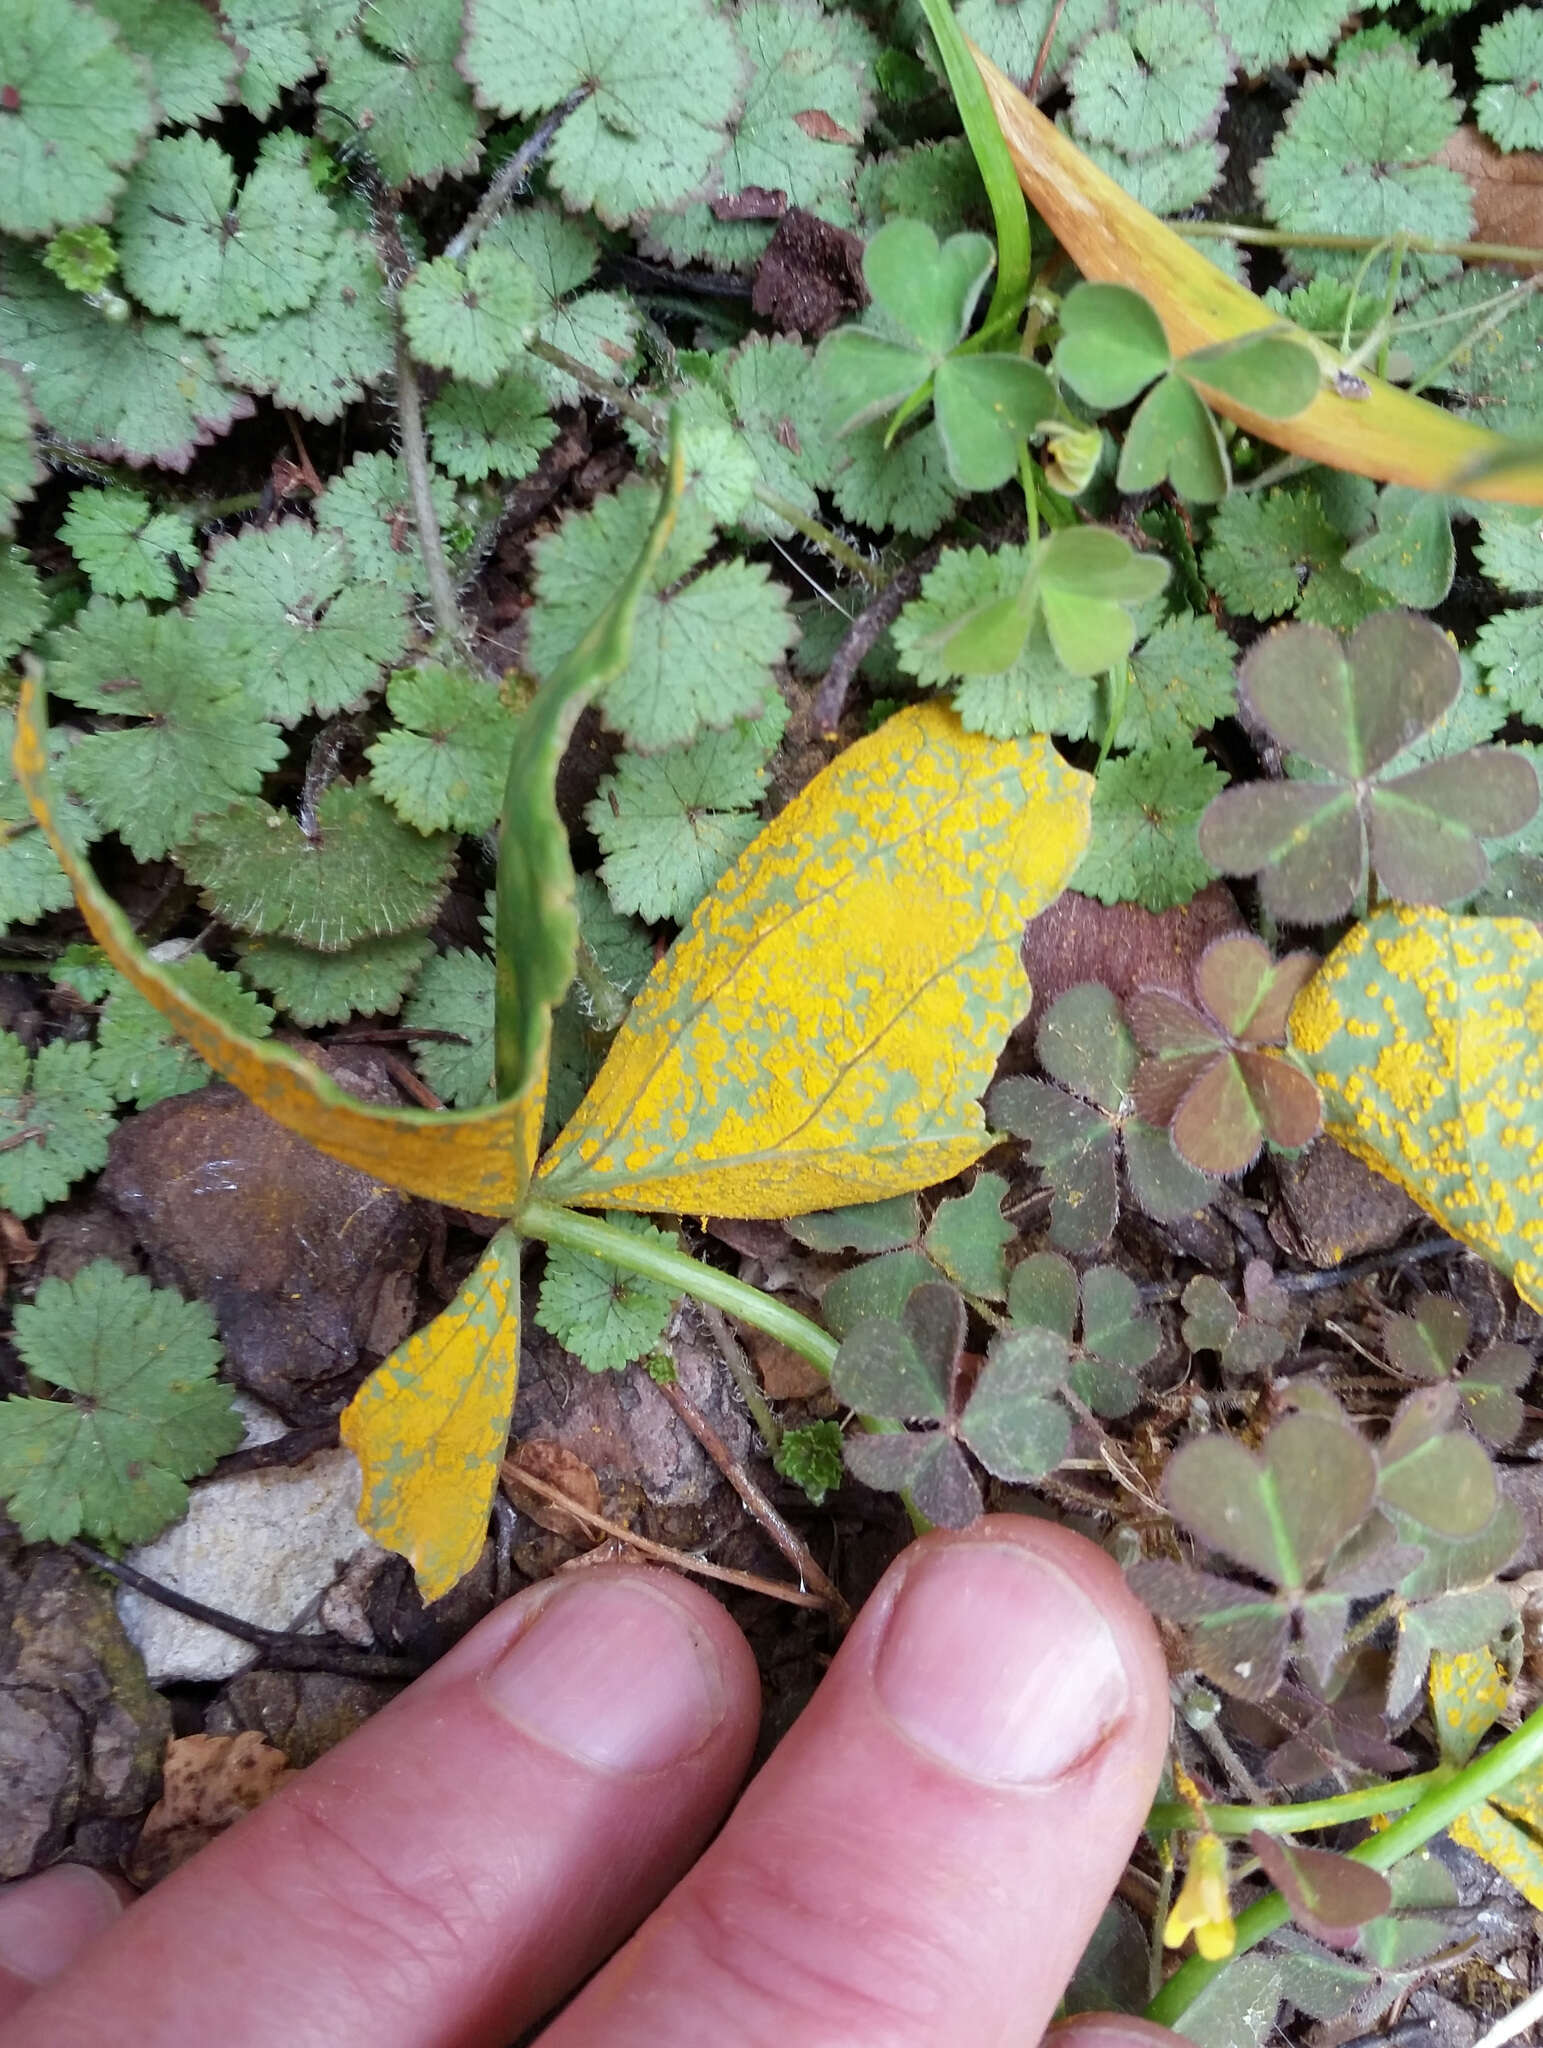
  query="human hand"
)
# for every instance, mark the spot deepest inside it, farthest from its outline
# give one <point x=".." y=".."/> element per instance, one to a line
<point x="919" y="1864"/>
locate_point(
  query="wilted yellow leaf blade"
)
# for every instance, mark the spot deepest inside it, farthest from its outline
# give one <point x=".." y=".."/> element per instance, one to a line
<point x="1389" y="434"/>
<point x="1424" y="1033"/>
<point x="1517" y="1855"/>
<point x="473" y="1159"/>
<point x="820" y="1032"/>
<point x="429" y="1426"/>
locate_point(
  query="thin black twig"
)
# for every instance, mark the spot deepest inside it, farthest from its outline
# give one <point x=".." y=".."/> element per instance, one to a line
<point x="1359" y="1269"/>
<point x="292" y="1448"/>
<point x="511" y="176"/>
<point x="860" y="637"/>
<point x="280" y="1649"/>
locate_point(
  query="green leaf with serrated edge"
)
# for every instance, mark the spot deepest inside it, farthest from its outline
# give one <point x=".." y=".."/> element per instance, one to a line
<point x="1112" y="345"/>
<point x="138" y="391"/>
<point x="303" y="635"/>
<point x="1509" y="57"/>
<point x="1356" y="154"/>
<point x="703" y="651"/>
<point x="877" y="1290"/>
<point x="469" y="316"/>
<point x="1412" y="555"/>
<point x="430" y="1425"/>
<point x="364" y="875"/>
<point x="137" y="1054"/>
<point x="190" y="249"/>
<point x="20" y="469"/>
<point x="1012" y="36"/>
<point x="199" y="741"/>
<point x="866" y="1227"/>
<point x="907" y="486"/>
<point x="806" y="105"/>
<point x="126" y="549"/>
<point x="1433" y="1084"/>
<point x="606" y="1318"/>
<point x="1282" y="1513"/>
<point x="284" y="41"/>
<point x="1146" y="810"/>
<point x="1264" y="33"/>
<point x="1179" y="683"/>
<point x="501" y="431"/>
<point x="967" y="1236"/>
<point x="149" y="1414"/>
<point x="652" y="125"/>
<point x="1011" y="1422"/>
<point x="394" y="91"/>
<point x="192" y="66"/>
<point x="82" y="108"/>
<point x="479" y="1161"/>
<point x="1157" y="82"/>
<point x="454" y="993"/>
<point x="595" y="328"/>
<point x="22" y="609"/>
<point x="55" y="1120"/>
<point x="1172" y="182"/>
<point x="370" y="505"/>
<point x="811" y="1458"/>
<point x="537" y="924"/>
<point x="444" y="763"/>
<point x="653" y="1133"/>
<point x="83" y="259"/>
<point x="1508" y="651"/>
<point x="1269" y="551"/>
<point x="313" y="989"/>
<point x="32" y="883"/>
<point x="938" y="182"/>
<point x="322" y="358"/>
<point x="1174" y="435"/>
<point x="1510" y="549"/>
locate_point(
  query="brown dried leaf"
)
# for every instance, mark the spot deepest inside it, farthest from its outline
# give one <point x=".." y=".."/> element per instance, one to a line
<point x="210" y="1781"/>
<point x="1507" y="189"/>
<point x="559" y="1467"/>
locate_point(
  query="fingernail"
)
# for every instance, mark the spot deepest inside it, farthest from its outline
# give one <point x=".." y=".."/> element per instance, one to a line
<point x="46" y="1921"/>
<point x="615" y="1675"/>
<point x="994" y="1661"/>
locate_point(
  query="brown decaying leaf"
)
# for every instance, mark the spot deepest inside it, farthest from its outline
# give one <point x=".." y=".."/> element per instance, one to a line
<point x="561" y="1468"/>
<point x="210" y="1781"/>
<point x="1122" y="945"/>
<point x="1507" y="189"/>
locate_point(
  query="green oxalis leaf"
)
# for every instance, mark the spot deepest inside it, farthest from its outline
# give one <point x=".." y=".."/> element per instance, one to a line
<point x="1429" y="1344"/>
<point x="143" y="1414"/>
<point x="1351" y="708"/>
<point x="1097" y="1317"/>
<point x="1083" y="1130"/>
<point x="985" y="404"/>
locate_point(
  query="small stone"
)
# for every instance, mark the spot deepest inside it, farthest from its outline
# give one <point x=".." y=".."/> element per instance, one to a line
<point x="1336" y="1209"/>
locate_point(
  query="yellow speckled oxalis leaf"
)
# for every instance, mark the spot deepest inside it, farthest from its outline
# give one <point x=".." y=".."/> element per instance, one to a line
<point x="1425" y="1034"/>
<point x="475" y="1159"/>
<point x="430" y="1425"/>
<point x="820" y="1031"/>
<point x="1383" y="432"/>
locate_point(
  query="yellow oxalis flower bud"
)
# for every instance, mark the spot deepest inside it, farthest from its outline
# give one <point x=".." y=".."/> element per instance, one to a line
<point x="1203" y="1907"/>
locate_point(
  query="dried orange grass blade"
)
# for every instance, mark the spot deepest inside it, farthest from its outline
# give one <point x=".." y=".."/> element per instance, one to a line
<point x="1389" y="434"/>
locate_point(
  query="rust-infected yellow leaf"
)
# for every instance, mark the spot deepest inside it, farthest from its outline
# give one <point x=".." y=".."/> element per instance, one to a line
<point x="1467" y="1695"/>
<point x="820" y="1031"/>
<point x="475" y="1159"/>
<point x="1424" y="1033"/>
<point x="1505" y="1847"/>
<point x="429" y="1426"/>
<point x="1388" y="433"/>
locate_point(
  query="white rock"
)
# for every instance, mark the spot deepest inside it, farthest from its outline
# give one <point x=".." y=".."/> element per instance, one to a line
<point x="264" y="1546"/>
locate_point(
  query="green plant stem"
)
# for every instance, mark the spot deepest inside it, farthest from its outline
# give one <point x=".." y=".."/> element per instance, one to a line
<point x="1174" y="1815"/>
<point x="1453" y="1795"/>
<point x="415" y="461"/>
<point x="604" y="1240"/>
<point x="512" y="175"/>
<point x="820" y="535"/>
<point x="1414" y="245"/>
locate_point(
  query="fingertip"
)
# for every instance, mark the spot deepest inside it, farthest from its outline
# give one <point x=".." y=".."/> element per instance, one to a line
<point x="1109" y="2030"/>
<point x="45" y="1923"/>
